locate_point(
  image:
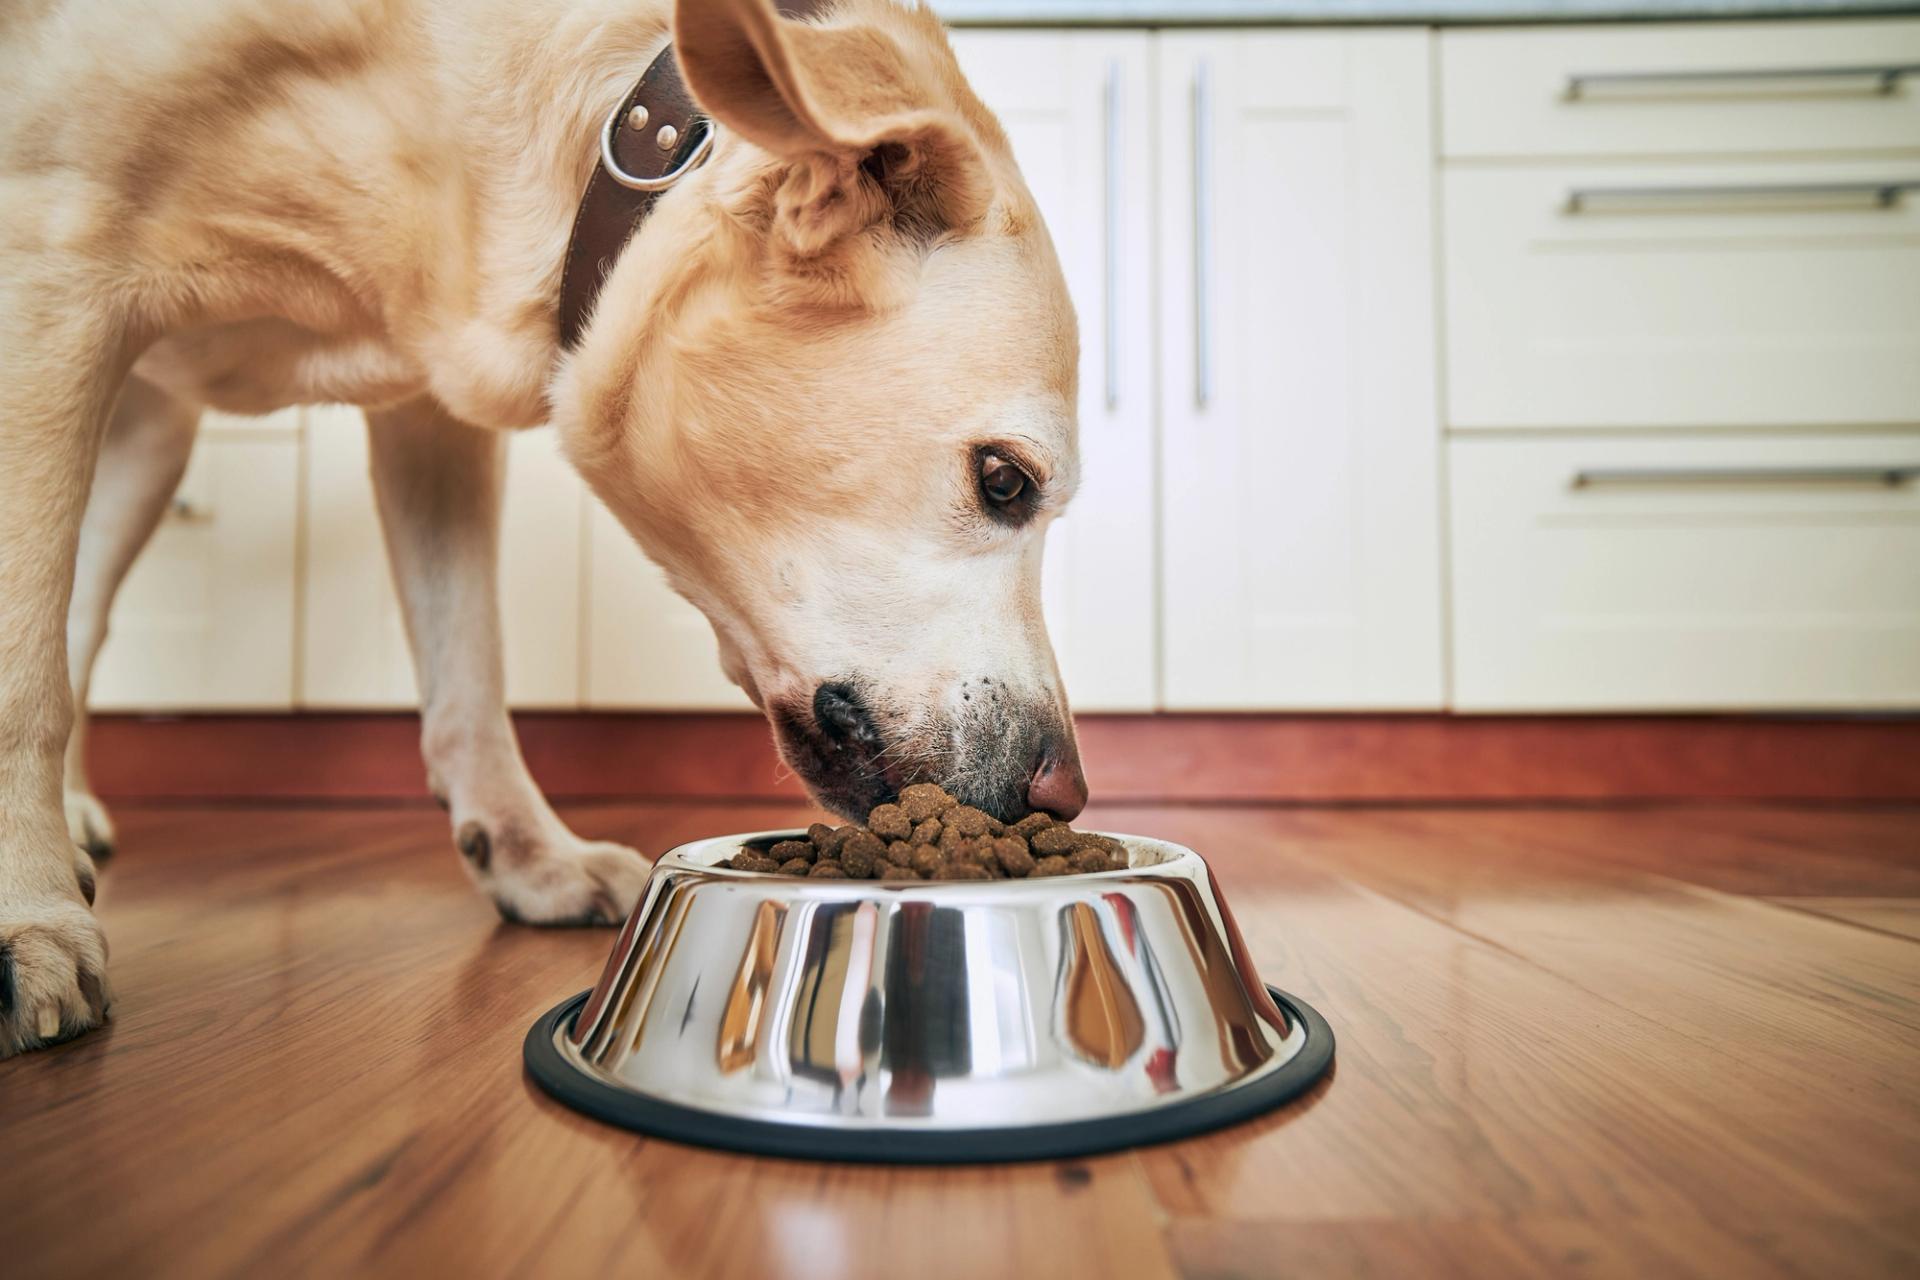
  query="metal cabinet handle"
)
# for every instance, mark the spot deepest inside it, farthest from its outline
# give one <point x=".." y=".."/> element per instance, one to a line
<point x="1796" y="195"/>
<point x="1890" y="476"/>
<point x="1202" y="237"/>
<point x="1876" y="81"/>
<point x="1114" y="194"/>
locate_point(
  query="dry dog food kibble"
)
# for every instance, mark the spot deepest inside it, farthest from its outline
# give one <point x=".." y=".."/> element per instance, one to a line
<point x="785" y="849"/>
<point x="923" y="800"/>
<point x="889" y="822"/>
<point x="928" y="835"/>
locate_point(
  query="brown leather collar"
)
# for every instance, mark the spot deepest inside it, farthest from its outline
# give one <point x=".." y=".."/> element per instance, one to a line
<point x="653" y="137"/>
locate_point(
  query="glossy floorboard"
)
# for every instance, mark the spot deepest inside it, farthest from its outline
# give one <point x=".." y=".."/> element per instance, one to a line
<point x="1598" y="1042"/>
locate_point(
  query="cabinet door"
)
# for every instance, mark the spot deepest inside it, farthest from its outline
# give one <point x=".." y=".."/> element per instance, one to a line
<point x="543" y="580"/>
<point x="354" y="641"/>
<point x="1077" y="106"/>
<point x="205" y="619"/>
<point x="646" y="647"/>
<point x="1300" y="437"/>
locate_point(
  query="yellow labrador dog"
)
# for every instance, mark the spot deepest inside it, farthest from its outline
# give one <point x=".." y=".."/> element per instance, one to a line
<point x="828" y="384"/>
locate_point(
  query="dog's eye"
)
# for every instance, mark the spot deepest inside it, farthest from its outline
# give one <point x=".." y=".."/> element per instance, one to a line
<point x="1001" y="481"/>
<point x="1007" y="491"/>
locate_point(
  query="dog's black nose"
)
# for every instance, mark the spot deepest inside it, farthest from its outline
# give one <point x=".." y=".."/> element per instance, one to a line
<point x="843" y="717"/>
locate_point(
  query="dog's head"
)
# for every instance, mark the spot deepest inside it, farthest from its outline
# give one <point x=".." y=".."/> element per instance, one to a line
<point x="831" y="388"/>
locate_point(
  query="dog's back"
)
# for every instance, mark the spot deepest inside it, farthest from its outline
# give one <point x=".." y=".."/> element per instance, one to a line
<point x="156" y="143"/>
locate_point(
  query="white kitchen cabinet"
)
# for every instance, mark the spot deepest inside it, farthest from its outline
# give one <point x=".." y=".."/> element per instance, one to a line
<point x="1685" y="248"/>
<point x="1656" y="244"/>
<point x="205" y="618"/>
<point x="543" y="536"/>
<point x="1078" y="107"/>
<point x="353" y="639"/>
<point x="646" y="647"/>
<point x="1300" y="444"/>
<point x="353" y="643"/>
<point x="1711" y="572"/>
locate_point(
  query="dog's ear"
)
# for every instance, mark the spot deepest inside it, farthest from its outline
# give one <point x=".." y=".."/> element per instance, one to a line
<point x="855" y="108"/>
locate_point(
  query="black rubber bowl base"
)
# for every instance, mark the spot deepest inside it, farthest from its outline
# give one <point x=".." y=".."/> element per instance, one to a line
<point x="651" y="1116"/>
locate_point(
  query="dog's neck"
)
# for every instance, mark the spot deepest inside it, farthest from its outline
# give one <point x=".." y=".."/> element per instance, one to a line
<point x="491" y="349"/>
<point x="652" y="140"/>
<point x="526" y="91"/>
<point x="655" y="137"/>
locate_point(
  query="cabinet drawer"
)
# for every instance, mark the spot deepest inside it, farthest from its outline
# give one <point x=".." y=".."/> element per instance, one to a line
<point x="1735" y="295"/>
<point x="1714" y="573"/>
<point x="1676" y="90"/>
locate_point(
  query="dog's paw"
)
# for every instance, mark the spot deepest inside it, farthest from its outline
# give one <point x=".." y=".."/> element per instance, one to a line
<point x="554" y="877"/>
<point x="89" y="826"/>
<point x="53" y="968"/>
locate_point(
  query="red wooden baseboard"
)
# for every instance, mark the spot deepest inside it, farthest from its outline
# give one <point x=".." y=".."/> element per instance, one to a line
<point x="1131" y="757"/>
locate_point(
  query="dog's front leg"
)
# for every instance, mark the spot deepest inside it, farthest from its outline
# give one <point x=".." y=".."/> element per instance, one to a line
<point x="439" y="485"/>
<point x="59" y="369"/>
<point x="149" y="439"/>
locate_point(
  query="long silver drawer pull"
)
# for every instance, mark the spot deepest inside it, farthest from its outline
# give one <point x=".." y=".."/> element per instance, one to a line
<point x="1878" y="81"/>
<point x="1890" y="476"/>
<point x="1796" y="195"/>
<point x="1114" y="195"/>
<point x="1202" y="240"/>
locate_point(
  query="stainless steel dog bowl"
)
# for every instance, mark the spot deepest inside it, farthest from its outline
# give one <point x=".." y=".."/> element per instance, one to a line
<point x="928" y="1021"/>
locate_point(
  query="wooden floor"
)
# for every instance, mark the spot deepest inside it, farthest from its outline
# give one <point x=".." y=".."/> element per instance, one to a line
<point x="1603" y="1042"/>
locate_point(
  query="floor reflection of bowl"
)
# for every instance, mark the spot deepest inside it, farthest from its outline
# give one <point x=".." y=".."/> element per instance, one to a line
<point x="928" y="1021"/>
